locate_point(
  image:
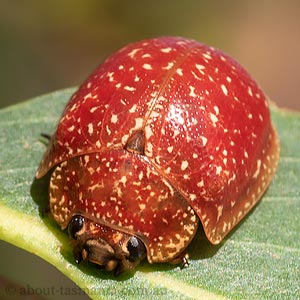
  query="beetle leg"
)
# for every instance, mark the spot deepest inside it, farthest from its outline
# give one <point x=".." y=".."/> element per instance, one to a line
<point x="125" y="265"/>
<point x="77" y="252"/>
<point x="182" y="259"/>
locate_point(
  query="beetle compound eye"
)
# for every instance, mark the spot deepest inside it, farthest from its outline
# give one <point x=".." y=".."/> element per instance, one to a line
<point x="75" y="225"/>
<point x="136" y="249"/>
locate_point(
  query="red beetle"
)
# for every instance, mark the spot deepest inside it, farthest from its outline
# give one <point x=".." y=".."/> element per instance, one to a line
<point x="165" y="132"/>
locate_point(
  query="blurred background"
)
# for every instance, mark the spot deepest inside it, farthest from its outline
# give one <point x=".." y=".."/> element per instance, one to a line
<point x="49" y="45"/>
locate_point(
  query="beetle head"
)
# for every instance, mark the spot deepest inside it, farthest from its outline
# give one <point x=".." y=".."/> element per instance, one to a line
<point x="111" y="249"/>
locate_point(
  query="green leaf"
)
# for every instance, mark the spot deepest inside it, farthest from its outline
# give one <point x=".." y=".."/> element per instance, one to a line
<point x="260" y="259"/>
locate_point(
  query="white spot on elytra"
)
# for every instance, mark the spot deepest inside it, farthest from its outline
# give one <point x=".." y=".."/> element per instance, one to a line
<point x="124" y="138"/>
<point x="216" y="109"/>
<point x="90" y="129"/>
<point x="192" y="197"/>
<point x="129" y="88"/>
<point x="232" y="178"/>
<point x="257" y="169"/>
<point x="220" y="211"/>
<point x="218" y="170"/>
<point x="200" y="68"/>
<point x="168" y="170"/>
<point x="123" y="180"/>
<point x="169" y="186"/>
<point x="93" y="109"/>
<point x="148" y="132"/>
<point x="192" y="91"/>
<point x="206" y="55"/>
<point x="210" y="78"/>
<point x="147" y="67"/>
<point x="149" y="149"/>
<point x="70" y="129"/>
<point x="133" y="108"/>
<point x="169" y="66"/>
<point x="141" y="175"/>
<point x="200" y="183"/>
<point x="176" y="132"/>
<point x="250" y="91"/>
<point x="184" y="165"/>
<point x="133" y="52"/>
<point x="224" y="89"/>
<point x="204" y="140"/>
<point x="213" y="118"/>
<point x="86" y="159"/>
<point x="166" y="50"/>
<point x="195" y="76"/>
<point x="108" y="130"/>
<point x="110" y="75"/>
<point x="114" y="119"/>
<point x="89" y="95"/>
<point x="142" y="206"/>
<point x="73" y="107"/>
<point x="170" y="149"/>
<point x="138" y="123"/>
<point x="179" y="72"/>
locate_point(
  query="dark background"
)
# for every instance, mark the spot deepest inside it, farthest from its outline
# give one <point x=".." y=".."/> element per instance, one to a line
<point x="47" y="45"/>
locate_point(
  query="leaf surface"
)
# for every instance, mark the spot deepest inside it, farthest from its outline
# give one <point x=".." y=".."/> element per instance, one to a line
<point x="260" y="259"/>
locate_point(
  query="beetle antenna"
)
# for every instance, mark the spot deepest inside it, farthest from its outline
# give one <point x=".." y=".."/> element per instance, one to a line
<point x="46" y="135"/>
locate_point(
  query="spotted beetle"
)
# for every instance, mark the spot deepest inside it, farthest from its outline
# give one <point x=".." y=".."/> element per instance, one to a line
<point x="165" y="133"/>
